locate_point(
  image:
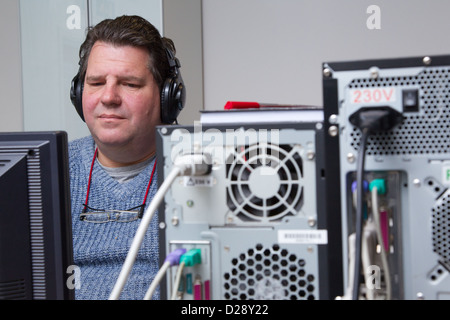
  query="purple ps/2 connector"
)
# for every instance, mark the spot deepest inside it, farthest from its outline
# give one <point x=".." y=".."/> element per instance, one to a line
<point x="174" y="257"/>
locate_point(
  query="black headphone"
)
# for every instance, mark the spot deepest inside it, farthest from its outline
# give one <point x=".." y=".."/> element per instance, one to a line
<point x="173" y="93"/>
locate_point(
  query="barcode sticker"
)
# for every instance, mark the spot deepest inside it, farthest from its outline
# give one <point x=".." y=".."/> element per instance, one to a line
<point x="303" y="236"/>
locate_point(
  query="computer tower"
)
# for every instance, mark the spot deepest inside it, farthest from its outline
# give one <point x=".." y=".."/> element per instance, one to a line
<point x="411" y="159"/>
<point x="259" y="219"/>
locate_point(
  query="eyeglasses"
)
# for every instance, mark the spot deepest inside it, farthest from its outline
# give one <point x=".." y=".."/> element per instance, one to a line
<point x="103" y="216"/>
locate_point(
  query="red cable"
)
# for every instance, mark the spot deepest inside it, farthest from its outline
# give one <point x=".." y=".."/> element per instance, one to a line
<point x="90" y="177"/>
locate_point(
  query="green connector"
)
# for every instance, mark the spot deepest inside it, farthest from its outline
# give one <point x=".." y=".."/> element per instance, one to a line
<point x="380" y="184"/>
<point x="192" y="257"/>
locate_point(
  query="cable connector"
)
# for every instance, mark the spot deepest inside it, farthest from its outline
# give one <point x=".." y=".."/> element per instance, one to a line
<point x="174" y="257"/>
<point x="355" y="184"/>
<point x="376" y="119"/>
<point x="192" y="257"/>
<point x="196" y="164"/>
<point x="380" y="184"/>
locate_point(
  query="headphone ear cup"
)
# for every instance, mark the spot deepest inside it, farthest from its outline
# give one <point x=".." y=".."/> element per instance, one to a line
<point x="173" y="97"/>
<point x="173" y="93"/>
<point x="76" y="94"/>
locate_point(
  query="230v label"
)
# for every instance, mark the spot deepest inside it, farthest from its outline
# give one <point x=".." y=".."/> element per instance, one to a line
<point x="372" y="95"/>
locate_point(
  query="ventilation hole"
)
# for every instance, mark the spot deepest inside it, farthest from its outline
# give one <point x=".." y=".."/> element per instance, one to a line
<point x="282" y="278"/>
<point x="440" y="217"/>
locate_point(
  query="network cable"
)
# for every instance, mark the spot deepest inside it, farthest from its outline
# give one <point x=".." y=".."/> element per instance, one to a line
<point x="191" y="164"/>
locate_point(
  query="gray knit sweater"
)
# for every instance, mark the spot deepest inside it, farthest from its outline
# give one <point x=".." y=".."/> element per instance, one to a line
<point x="101" y="248"/>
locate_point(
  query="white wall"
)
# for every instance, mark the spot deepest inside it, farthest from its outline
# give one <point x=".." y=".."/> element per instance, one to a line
<point x="273" y="50"/>
<point x="262" y="50"/>
<point x="11" y="111"/>
<point x="183" y="24"/>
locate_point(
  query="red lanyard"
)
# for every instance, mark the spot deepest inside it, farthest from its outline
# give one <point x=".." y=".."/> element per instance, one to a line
<point x="90" y="178"/>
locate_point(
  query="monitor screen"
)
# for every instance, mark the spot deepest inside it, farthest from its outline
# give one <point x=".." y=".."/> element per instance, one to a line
<point x="35" y="225"/>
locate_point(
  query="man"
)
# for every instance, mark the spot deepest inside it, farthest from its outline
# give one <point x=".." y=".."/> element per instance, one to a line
<point x="126" y="70"/>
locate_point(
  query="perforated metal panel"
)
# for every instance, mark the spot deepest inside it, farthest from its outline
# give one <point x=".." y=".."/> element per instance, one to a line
<point x="265" y="272"/>
<point x="422" y="132"/>
<point x="441" y="227"/>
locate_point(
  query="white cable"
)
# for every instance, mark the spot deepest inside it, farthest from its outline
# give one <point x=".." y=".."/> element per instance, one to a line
<point x="157" y="280"/>
<point x="384" y="262"/>
<point x="368" y="244"/>
<point x="351" y="262"/>
<point x="140" y="233"/>
<point x="191" y="164"/>
<point x="177" y="280"/>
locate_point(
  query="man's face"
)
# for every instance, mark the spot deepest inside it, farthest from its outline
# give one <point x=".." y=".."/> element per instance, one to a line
<point x="121" y="100"/>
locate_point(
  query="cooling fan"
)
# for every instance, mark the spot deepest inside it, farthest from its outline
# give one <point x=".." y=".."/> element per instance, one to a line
<point x="264" y="182"/>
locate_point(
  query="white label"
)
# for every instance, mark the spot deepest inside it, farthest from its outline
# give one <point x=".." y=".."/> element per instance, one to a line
<point x="446" y="175"/>
<point x="303" y="236"/>
<point x="198" y="181"/>
<point x="372" y="95"/>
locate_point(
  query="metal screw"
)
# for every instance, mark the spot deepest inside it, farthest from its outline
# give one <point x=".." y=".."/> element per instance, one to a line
<point x="310" y="155"/>
<point x="326" y="72"/>
<point x="333" y="131"/>
<point x="350" y="157"/>
<point x="416" y="182"/>
<point x="426" y="61"/>
<point x="311" y="222"/>
<point x="319" y="125"/>
<point x="175" y="220"/>
<point x="374" y="72"/>
<point x="333" y="119"/>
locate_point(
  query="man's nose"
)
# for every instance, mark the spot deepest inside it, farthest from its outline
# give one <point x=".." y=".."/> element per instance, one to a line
<point x="110" y="95"/>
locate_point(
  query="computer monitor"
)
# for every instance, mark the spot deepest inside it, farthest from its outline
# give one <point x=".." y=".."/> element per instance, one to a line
<point x="35" y="224"/>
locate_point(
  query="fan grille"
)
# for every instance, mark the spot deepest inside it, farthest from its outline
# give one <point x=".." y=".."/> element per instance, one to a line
<point x="265" y="182"/>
